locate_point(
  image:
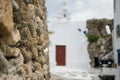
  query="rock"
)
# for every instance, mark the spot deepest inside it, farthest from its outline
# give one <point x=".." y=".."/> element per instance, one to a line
<point x="13" y="38"/>
<point x="32" y="27"/>
<point x="26" y="54"/>
<point x="25" y="33"/>
<point x="12" y="52"/>
<point x="15" y="4"/>
<point x="10" y="77"/>
<point x="40" y="41"/>
<point x="46" y="50"/>
<point x="26" y="69"/>
<point x="9" y="51"/>
<point x="17" y="62"/>
<point x="3" y="64"/>
<point x="41" y="59"/>
<point x="38" y="19"/>
<point x="27" y="1"/>
<point x="6" y="17"/>
<point x="46" y="68"/>
<point x="38" y="67"/>
<point x="33" y="41"/>
<point x="34" y="52"/>
<point x="37" y="76"/>
<point x="40" y="48"/>
<point x="31" y="12"/>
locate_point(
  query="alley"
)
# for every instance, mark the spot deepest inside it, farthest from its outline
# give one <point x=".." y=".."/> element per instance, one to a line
<point x="72" y="74"/>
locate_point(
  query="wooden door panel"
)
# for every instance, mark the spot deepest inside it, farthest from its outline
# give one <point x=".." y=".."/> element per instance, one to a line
<point x="60" y="55"/>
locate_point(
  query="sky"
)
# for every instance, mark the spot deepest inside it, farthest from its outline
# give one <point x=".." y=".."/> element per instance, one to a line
<point x="81" y="10"/>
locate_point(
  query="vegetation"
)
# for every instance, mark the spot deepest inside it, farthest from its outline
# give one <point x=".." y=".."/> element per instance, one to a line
<point x="51" y="32"/>
<point x="92" y="38"/>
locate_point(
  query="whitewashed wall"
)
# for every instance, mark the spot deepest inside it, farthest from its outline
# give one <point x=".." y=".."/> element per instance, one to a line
<point x="66" y="33"/>
<point x="116" y="41"/>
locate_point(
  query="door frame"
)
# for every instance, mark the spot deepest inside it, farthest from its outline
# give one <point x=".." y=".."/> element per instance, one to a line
<point x="60" y="59"/>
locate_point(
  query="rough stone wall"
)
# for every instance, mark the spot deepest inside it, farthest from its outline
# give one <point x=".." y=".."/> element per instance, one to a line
<point x="103" y="45"/>
<point x="23" y="40"/>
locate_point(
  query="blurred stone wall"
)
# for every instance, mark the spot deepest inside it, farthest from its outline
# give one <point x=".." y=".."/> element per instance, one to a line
<point x="103" y="45"/>
<point x="23" y="40"/>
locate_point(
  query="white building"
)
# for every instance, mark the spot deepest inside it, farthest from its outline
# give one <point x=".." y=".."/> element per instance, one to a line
<point x="116" y="36"/>
<point x="68" y="43"/>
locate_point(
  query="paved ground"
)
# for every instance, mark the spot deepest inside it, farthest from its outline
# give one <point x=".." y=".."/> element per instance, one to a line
<point x="56" y="77"/>
<point x="72" y="74"/>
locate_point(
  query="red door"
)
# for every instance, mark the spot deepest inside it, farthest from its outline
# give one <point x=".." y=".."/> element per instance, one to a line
<point x="60" y="55"/>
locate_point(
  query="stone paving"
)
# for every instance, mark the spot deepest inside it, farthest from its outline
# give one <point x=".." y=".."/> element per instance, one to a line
<point x="59" y="77"/>
<point x="64" y="73"/>
<point x="56" y="77"/>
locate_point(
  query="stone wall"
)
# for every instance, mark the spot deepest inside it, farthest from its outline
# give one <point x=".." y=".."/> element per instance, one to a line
<point x="102" y="45"/>
<point x="23" y="40"/>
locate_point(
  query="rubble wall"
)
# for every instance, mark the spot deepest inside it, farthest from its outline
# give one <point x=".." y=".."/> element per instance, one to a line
<point x="101" y="42"/>
<point x="23" y="40"/>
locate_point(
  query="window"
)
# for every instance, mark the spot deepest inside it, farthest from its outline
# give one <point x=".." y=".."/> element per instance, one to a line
<point x="84" y="32"/>
<point x="108" y="29"/>
<point x="118" y="30"/>
<point x="118" y="57"/>
<point x="64" y="15"/>
<point x="79" y="29"/>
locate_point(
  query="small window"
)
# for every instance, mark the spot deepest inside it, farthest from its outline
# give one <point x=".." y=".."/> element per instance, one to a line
<point x="64" y="15"/>
<point x="108" y="29"/>
<point x="118" y="30"/>
<point x="84" y="32"/>
<point x="118" y="51"/>
<point x="79" y="29"/>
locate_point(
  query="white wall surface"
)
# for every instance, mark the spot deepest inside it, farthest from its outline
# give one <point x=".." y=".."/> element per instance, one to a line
<point x="116" y="41"/>
<point x="66" y="33"/>
<point x="116" y="22"/>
